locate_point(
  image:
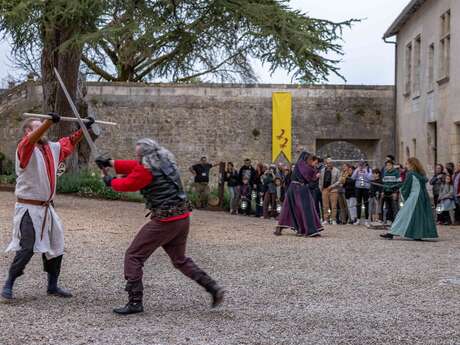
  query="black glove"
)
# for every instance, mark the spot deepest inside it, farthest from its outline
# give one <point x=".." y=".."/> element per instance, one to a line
<point x="90" y="123"/>
<point x="103" y="162"/>
<point x="55" y="117"/>
<point x="107" y="180"/>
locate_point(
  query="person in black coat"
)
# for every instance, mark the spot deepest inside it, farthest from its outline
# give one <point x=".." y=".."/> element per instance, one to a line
<point x="248" y="171"/>
<point x="231" y="176"/>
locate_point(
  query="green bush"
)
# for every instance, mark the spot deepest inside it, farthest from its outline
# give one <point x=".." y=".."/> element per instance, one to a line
<point x="89" y="184"/>
<point x="7" y="167"/>
<point x="192" y="197"/>
<point x="8" y="179"/>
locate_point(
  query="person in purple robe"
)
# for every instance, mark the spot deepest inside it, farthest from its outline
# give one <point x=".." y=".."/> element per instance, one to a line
<point x="298" y="212"/>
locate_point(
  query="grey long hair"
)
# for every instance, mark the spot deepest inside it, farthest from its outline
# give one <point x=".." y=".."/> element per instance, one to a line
<point x="153" y="153"/>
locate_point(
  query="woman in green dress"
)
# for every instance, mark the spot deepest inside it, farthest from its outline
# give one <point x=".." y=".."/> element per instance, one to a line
<point x="415" y="220"/>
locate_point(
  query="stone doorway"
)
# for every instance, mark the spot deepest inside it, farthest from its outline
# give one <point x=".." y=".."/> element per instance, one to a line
<point x="349" y="151"/>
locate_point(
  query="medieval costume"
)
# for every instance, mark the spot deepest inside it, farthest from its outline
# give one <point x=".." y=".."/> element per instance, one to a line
<point x="298" y="211"/>
<point x="415" y="220"/>
<point x="36" y="225"/>
<point x="157" y="178"/>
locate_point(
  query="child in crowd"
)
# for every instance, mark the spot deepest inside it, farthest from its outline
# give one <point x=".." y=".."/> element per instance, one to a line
<point x="376" y="196"/>
<point x="350" y="194"/>
<point x="244" y="191"/>
<point x="279" y="170"/>
<point x="268" y="181"/>
<point x="446" y="202"/>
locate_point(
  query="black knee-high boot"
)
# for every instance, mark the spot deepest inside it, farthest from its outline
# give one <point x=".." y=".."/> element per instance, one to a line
<point x="53" y="268"/>
<point x="135" y="295"/>
<point x="217" y="292"/>
<point x="54" y="289"/>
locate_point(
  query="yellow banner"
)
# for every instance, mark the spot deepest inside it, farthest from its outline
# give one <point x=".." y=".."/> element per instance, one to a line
<point x="282" y="125"/>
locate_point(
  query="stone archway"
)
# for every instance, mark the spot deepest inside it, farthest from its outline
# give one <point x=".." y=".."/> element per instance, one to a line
<point x="349" y="151"/>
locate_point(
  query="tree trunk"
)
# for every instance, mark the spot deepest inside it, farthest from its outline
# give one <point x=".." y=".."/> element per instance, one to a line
<point x="67" y="62"/>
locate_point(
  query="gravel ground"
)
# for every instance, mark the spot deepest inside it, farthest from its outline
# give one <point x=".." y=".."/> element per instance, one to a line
<point x="347" y="287"/>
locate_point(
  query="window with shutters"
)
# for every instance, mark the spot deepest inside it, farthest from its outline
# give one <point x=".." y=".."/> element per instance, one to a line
<point x="444" y="48"/>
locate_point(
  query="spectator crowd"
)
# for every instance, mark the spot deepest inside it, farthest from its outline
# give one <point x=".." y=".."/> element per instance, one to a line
<point x="345" y="194"/>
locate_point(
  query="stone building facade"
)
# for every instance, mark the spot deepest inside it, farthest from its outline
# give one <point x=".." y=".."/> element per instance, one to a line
<point x="226" y="122"/>
<point x="428" y="81"/>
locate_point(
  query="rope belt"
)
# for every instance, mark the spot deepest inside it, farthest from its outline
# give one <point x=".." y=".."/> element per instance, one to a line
<point x="45" y="204"/>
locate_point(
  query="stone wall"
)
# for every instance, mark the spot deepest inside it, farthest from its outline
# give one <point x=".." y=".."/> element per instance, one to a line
<point x="220" y="121"/>
<point x="428" y="117"/>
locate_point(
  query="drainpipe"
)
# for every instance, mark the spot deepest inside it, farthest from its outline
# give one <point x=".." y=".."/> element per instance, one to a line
<point x="395" y="100"/>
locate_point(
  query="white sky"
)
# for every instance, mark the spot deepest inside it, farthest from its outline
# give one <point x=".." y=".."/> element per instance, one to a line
<point x="367" y="59"/>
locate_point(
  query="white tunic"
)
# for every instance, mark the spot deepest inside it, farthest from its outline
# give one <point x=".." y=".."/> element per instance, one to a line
<point x="33" y="184"/>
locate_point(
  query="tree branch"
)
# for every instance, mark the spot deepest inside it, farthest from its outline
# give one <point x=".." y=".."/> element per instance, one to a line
<point x="96" y="69"/>
<point x="210" y="70"/>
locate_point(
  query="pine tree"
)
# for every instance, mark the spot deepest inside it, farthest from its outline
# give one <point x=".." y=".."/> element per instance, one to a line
<point x="174" y="40"/>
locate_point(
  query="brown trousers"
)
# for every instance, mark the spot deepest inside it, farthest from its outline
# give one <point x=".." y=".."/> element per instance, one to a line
<point x="343" y="208"/>
<point x="269" y="200"/>
<point x="202" y="189"/>
<point x="172" y="237"/>
<point x="330" y="202"/>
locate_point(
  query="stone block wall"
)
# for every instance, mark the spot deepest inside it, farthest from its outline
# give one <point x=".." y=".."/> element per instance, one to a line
<point x="231" y="122"/>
